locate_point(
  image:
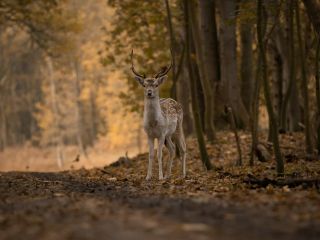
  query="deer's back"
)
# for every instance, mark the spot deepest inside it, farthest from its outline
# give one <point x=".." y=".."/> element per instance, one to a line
<point x="171" y="108"/>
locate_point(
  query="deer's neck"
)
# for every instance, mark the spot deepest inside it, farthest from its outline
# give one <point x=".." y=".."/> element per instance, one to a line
<point x="152" y="110"/>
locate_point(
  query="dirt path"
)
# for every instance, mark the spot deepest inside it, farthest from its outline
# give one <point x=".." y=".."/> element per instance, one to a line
<point x="70" y="205"/>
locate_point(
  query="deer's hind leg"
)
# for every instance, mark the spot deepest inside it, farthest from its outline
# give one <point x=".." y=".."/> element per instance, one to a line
<point x="180" y="141"/>
<point x="172" y="150"/>
<point x="160" y="148"/>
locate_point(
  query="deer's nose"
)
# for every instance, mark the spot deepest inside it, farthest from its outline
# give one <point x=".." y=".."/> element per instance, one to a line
<point x="149" y="92"/>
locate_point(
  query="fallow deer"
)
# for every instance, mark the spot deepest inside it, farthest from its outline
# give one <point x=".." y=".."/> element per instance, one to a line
<point x="162" y="120"/>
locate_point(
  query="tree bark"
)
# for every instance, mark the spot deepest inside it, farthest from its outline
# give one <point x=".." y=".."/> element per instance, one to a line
<point x="317" y="74"/>
<point x="281" y="49"/>
<point x="313" y="10"/>
<point x="209" y="43"/>
<point x="273" y="121"/>
<point x="229" y="80"/>
<point x="173" y="91"/>
<point x="291" y="95"/>
<point x="183" y="87"/>
<point x="255" y="111"/>
<point x="195" y="107"/>
<point x="209" y="40"/>
<point x="246" y="65"/>
<point x="302" y="58"/>
<point x="204" y="78"/>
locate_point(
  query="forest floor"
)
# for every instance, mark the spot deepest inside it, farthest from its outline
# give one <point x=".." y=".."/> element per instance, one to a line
<point x="115" y="202"/>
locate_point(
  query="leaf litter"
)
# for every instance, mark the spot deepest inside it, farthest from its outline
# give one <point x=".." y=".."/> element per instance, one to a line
<point x="229" y="202"/>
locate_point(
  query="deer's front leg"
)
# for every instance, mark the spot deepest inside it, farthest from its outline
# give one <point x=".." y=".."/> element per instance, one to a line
<point x="160" y="147"/>
<point x="151" y="156"/>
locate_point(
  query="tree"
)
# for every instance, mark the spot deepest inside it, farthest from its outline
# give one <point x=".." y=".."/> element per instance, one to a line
<point x="79" y="108"/>
<point x="42" y="20"/>
<point x="246" y="55"/>
<point x="302" y="58"/>
<point x="273" y="121"/>
<point x="210" y="50"/>
<point x="173" y="45"/>
<point x="317" y="85"/>
<point x="313" y="9"/>
<point x="195" y="105"/>
<point x="229" y="77"/>
<point x="207" y="87"/>
<point x="255" y="111"/>
<point x="291" y="56"/>
<point x="56" y="114"/>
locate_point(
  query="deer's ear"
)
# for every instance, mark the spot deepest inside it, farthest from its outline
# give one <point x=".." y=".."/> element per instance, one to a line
<point x="140" y="80"/>
<point x="160" y="80"/>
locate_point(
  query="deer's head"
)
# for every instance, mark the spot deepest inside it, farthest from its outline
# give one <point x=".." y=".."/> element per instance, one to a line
<point x="151" y="85"/>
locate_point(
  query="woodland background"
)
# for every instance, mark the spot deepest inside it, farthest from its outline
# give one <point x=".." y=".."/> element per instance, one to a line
<point x="67" y="91"/>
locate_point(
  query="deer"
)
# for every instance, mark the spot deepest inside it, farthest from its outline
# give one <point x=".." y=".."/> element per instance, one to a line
<point x="162" y="120"/>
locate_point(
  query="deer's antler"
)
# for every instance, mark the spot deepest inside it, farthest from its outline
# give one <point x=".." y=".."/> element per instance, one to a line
<point x="164" y="70"/>
<point x="133" y="70"/>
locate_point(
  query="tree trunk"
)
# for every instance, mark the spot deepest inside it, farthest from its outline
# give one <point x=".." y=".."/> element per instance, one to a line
<point x="229" y="80"/>
<point x="210" y="46"/>
<point x="183" y="87"/>
<point x="277" y="84"/>
<point x="317" y="74"/>
<point x="209" y="40"/>
<point x="206" y="86"/>
<point x="294" y="116"/>
<point x="195" y="107"/>
<point x="55" y="110"/>
<point x="173" y="91"/>
<point x="246" y="65"/>
<point x="255" y="111"/>
<point x="79" y="112"/>
<point x="313" y="9"/>
<point x="302" y="58"/>
<point x="93" y="116"/>
<point x="3" y="132"/>
<point x="264" y="71"/>
<point x="281" y="48"/>
<point x="291" y="95"/>
<point x="198" y="87"/>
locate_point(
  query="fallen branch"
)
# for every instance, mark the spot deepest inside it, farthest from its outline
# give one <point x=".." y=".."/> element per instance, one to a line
<point x="291" y="183"/>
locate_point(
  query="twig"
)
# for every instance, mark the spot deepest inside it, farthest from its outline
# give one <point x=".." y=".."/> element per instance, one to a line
<point x="234" y="129"/>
